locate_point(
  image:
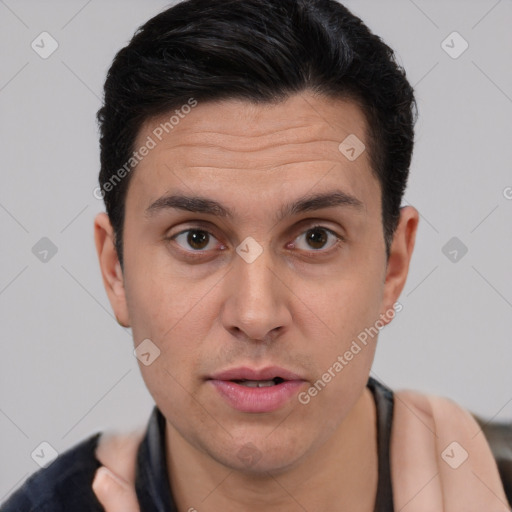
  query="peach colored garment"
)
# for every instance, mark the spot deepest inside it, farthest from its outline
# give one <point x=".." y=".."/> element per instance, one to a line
<point x="440" y="458"/>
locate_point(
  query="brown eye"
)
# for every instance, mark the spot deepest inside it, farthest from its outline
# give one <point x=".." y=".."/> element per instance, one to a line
<point x="317" y="238"/>
<point x="197" y="239"/>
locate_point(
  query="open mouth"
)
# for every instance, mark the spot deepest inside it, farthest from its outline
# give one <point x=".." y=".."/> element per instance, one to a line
<point x="257" y="391"/>
<point x="259" y="383"/>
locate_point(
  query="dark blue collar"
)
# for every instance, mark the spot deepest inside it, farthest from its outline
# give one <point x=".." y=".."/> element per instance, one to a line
<point x="151" y="476"/>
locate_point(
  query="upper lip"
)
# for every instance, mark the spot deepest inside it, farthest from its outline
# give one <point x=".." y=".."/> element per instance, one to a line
<point x="246" y="373"/>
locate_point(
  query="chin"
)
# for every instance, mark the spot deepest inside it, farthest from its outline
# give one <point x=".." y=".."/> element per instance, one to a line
<point x="262" y="456"/>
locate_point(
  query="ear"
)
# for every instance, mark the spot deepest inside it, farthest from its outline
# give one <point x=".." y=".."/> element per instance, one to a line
<point x="111" y="268"/>
<point x="399" y="258"/>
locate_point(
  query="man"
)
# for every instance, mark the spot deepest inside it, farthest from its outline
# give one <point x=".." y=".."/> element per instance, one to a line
<point x="254" y="154"/>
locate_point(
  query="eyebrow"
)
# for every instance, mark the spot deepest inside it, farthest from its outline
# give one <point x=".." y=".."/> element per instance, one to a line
<point x="308" y="203"/>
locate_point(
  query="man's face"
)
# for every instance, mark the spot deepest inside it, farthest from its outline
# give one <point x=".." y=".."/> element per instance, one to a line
<point x="293" y="296"/>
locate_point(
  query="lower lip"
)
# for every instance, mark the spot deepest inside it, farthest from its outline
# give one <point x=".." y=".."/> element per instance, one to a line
<point x="265" y="399"/>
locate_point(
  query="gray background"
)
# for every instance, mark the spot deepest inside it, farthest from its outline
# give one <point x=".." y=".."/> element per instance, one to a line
<point x="67" y="368"/>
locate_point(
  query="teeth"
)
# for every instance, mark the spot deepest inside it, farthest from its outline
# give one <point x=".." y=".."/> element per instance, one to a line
<point x="257" y="383"/>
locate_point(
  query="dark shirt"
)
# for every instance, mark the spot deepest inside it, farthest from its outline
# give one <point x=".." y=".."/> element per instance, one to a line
<point x="67" y="483"/>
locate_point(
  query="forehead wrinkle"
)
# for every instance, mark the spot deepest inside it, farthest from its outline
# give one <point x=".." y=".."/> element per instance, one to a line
<point x="280" y="150"/>
<point x="273" y="144"/>
<point x="269" y="167"/>
<point x="266" y="161"/>
<point x="273" y="154"/>
<point x="187" y="131"/>
<point x="247" y="143"/>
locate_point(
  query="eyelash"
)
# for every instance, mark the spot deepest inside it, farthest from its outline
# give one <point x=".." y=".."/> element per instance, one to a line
<point x="197" y="254"/>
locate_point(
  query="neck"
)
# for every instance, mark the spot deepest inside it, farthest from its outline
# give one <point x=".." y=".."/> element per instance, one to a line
<point x="341" y="475"/>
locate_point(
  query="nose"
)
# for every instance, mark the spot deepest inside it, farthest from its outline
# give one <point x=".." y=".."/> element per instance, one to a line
<point x="256" y="307"/>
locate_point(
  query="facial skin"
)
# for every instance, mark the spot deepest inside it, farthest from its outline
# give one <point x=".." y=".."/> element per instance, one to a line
<point x="299" y="305"/>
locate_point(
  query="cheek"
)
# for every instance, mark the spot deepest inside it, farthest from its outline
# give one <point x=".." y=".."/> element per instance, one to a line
<point x="344" y="355"/>
<point x="173" y="313"/>
<point x="349" y="305"/>
<point x="165" y="314"/>
<point x="173" y="394"/>
<point x="157" y="302"/>
<point x="346" y="312"/>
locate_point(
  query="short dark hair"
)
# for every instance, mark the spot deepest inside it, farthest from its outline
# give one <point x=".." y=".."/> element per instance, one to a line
<point x="262" y="51"/>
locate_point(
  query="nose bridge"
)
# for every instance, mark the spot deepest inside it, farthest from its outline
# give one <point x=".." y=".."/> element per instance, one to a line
<point x="254" y="278"/>
<point x="253" y="304"/>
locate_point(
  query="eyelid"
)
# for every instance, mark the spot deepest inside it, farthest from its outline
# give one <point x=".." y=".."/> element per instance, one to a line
<point x="340" y="239"/>
<point x="194" y="226"/>
<point x="191" y="251"/>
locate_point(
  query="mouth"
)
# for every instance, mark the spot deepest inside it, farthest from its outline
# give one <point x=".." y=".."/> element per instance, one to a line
<point x="249" y="390"/>
<point x="247" y="374"/>
<point x="259" y="383"/>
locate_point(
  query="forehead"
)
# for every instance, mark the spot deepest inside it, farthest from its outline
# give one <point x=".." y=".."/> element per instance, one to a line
<point x="236" y="147"/>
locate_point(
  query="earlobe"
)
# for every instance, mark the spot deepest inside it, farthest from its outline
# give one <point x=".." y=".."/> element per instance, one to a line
<point x="400" y="256"/>
<point x="111" y="271"/>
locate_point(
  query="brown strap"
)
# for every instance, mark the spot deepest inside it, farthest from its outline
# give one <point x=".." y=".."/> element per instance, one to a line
<point x="440" y="458"/>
